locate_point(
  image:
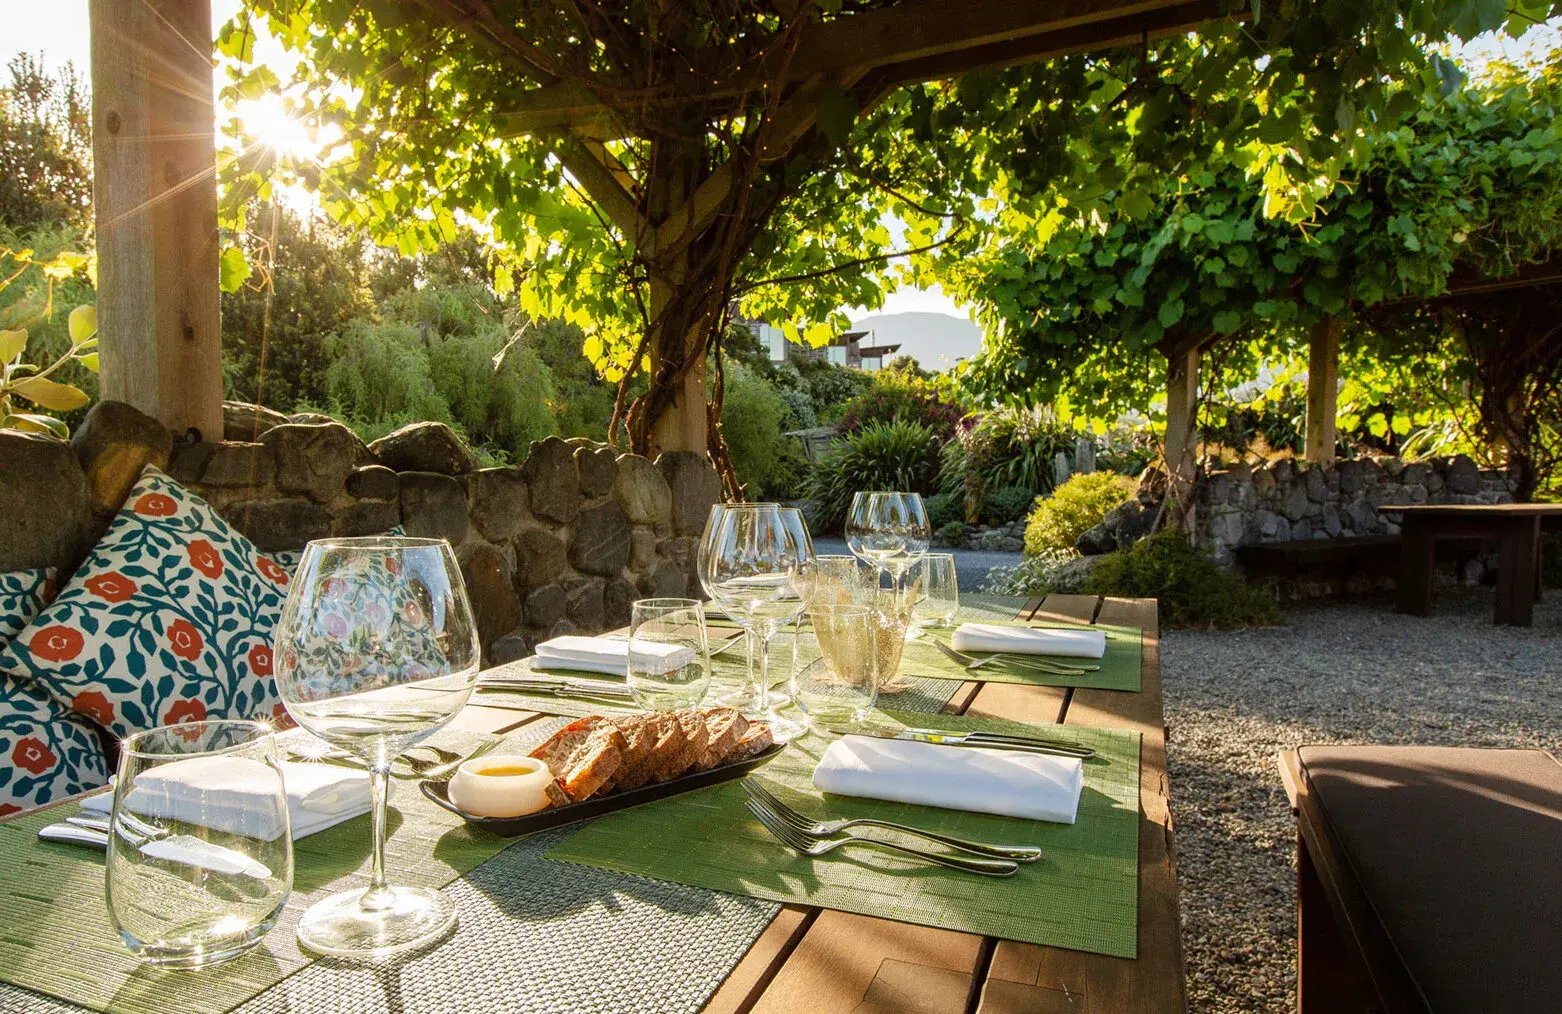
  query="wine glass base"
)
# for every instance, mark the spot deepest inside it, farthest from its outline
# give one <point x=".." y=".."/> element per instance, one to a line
<point x="342" y="926"/>
<point x="782" y="729"/>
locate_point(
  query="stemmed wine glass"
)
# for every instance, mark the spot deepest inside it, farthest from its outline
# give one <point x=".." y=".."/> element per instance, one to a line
<point x="751" y="568"/>
<point x="370" y="627"/>
<point x="888" y="531"/>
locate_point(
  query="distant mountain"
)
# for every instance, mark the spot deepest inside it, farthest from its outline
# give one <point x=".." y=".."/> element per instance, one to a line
<point x="935" y="340"/>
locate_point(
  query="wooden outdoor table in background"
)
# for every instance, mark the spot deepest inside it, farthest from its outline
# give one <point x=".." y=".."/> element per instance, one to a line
<point x="821" y="960"/>
<point x="1515" y="527"/>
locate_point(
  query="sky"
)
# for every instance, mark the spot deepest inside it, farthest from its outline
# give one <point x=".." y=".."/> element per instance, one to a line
<point x="59" y="29"/>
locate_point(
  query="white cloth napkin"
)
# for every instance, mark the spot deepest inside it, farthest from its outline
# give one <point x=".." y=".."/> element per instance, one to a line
<point x="229" y="794"/>
<point x="1005" y="782"/>
<point x="609" y="655"/>
<point x="1082" y="643"/>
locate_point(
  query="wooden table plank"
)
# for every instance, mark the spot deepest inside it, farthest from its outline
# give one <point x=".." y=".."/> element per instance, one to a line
<point x="847" y="962"/>
<point x="1025" y="977"/>
<point x="482" y="718"/>
<point x="759" y="966"/>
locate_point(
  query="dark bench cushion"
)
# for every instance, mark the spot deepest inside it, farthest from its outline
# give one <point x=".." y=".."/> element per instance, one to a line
<point x="1458" y="853"/>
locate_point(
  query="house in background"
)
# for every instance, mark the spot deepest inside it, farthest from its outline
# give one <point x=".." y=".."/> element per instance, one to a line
<point x="854" y="350"/>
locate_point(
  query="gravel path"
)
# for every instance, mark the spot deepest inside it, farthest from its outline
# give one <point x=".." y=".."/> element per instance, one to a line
<point x="971" y="565"/>
<point x="1344" y="672"/>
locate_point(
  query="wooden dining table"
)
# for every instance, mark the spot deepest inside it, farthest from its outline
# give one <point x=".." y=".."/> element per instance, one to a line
<point x="1515" y="528"/>
<point x="826" y="960"/>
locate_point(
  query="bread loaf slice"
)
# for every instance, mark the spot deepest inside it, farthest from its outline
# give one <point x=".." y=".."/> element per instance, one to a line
<point x="652" y="732"/>
<point x="723" y="728"/>
<point x="677" y="762"/>
<point x="640" y="733"/>
<point x="756" y="740"/>
<point x="583" y="755"/>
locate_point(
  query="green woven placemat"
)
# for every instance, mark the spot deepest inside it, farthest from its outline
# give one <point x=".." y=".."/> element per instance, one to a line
<point x="1120" y="666"/>
<point x="56" y="938"/>
<point x="1083" y="894"/>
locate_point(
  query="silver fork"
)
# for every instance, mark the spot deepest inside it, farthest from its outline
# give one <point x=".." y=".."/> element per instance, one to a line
<point x="816" y="845"/>
<point x="807" y="825"/>
<point x="1010" y="658"/>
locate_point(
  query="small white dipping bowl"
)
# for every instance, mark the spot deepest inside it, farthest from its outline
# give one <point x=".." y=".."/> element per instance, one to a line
<point x="501" y="785"/>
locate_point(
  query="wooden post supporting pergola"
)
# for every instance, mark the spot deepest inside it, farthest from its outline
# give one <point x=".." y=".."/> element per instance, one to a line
<point x="1182" y="436"/>
<point x="1323" y="370"/>
<point x="155" y="199"/>
<point x="156" y="203"/>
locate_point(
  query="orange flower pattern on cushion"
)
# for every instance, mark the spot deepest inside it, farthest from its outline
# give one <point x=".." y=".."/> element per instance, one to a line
<point x="172" y="609"/>
<point x="46" y="752"/>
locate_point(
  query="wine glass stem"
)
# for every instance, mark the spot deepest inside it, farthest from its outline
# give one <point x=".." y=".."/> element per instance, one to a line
<point x="378" y="896"/>
<point x="762" y="691"/>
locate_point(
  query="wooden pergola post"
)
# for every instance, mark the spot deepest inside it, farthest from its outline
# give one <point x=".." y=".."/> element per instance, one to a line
<point x="1323" y="369"/>
<point x="1182" y="402"/>
<point x="155" y="199"/>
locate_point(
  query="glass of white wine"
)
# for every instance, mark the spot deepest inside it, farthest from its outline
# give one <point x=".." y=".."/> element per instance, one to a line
<point x="376" y="650"/>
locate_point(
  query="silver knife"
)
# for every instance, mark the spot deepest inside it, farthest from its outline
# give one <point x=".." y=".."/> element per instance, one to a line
<point x="986" y="740"/>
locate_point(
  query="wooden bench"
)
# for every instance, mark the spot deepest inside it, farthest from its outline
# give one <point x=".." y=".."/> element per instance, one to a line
<point x="1369" y="555"/>
<point x="1515" y="528"/>
<point x="1427" y="878"/>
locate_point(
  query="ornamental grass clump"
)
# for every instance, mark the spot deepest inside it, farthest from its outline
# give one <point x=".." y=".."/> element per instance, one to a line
<point x="890" y="456"/>
<point x="1192" y="589"/>
<point x="1073" y="509"/>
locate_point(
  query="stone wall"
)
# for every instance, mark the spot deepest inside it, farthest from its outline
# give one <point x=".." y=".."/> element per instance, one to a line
<point x="1288" y="500"/>
<point x="564" y="541"/>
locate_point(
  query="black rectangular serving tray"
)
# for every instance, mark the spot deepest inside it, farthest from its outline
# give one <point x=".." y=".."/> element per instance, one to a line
<point x="558" y="816"/>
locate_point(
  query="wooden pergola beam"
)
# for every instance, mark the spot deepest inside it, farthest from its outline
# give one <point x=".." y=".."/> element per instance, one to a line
<point x="922" y="40"/>
<point x="155" y="202"/>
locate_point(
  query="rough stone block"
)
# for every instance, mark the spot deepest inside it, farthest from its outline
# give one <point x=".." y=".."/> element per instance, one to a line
<point x="642" y="491"/>
<point x="1350" y="476"/>
<point x="616" y="601"/>
<point x="695" y="486"/>
<point x="598" y="467"/>
<point x="424" y="447"/>
<point x="583" y="602"/>
<point x="187" y="462"/>
<point x="373" y="482"/>
<point x="487" y="572"/>
<point x="539" y="558"/>
<point x="553" y="480"/>
<point x="114" y="443"/>
<point x="233" y="463"/>
<point x="367" y="517"/>
<point x="601" y="541"/>
<point x="315" y="458"/>
<point x="667" y="580"/>
<point x="1463" y="476"/>
<point x="544" y="605"/>
<point x="245" y="421"/>
<point x="1317" y="485"/>
<point x="433" y="506"/>
<point x="642" y="548"/>
<point x="1295" y="503"/>
<point x="280" y="524"/>
<point x="509" y="648"/>
<point x="499" y="499"/>
<point x="44" y="519"/>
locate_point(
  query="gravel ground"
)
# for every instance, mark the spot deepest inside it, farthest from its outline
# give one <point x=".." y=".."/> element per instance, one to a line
<point x="1343" y="672"/>
<point x="971" y="565"/>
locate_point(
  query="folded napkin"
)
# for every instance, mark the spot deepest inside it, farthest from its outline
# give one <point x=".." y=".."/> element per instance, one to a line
<point x="1005" y="782"/>
<point x="609" y="655"/>
<point x="231" y="794"/>
<point x="1081" y="643"/>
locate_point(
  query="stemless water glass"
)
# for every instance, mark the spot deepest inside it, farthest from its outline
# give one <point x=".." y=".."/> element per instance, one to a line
<point x="669" y="654"/>
<point x="888" y="531"/>
<point x="376" y="650"/>
<point x="935" y="592"/>
<point x="200" y="858"/>
<point x="838" y="681"/>
<point x="751" y="572"/>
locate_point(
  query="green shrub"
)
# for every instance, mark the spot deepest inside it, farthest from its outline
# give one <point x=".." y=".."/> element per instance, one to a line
<point x="1006" y="504"/>
<point x="1034" y="575"/>
<point x="1073" y="508"/>
<point x="753" y="419"/>
<point x="897" y="455"/>
<point x="1006" y="447"/>
<point x="899" y="396"/>
<point x="951" y="533"/>
<point x="943" y="508"/>
<point x="1193" y="590"/>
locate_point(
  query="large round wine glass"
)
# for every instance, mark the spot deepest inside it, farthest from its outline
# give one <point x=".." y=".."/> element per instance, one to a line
<point x="376" y="650"/>
<point x="751" y="572"/>
<point x="888" y="531"/>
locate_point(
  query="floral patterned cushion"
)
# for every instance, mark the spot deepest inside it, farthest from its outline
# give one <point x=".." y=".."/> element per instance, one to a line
<point x="170" y="619"/>
<point x="46" y="753"/>
<point x="23" y="594"/>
